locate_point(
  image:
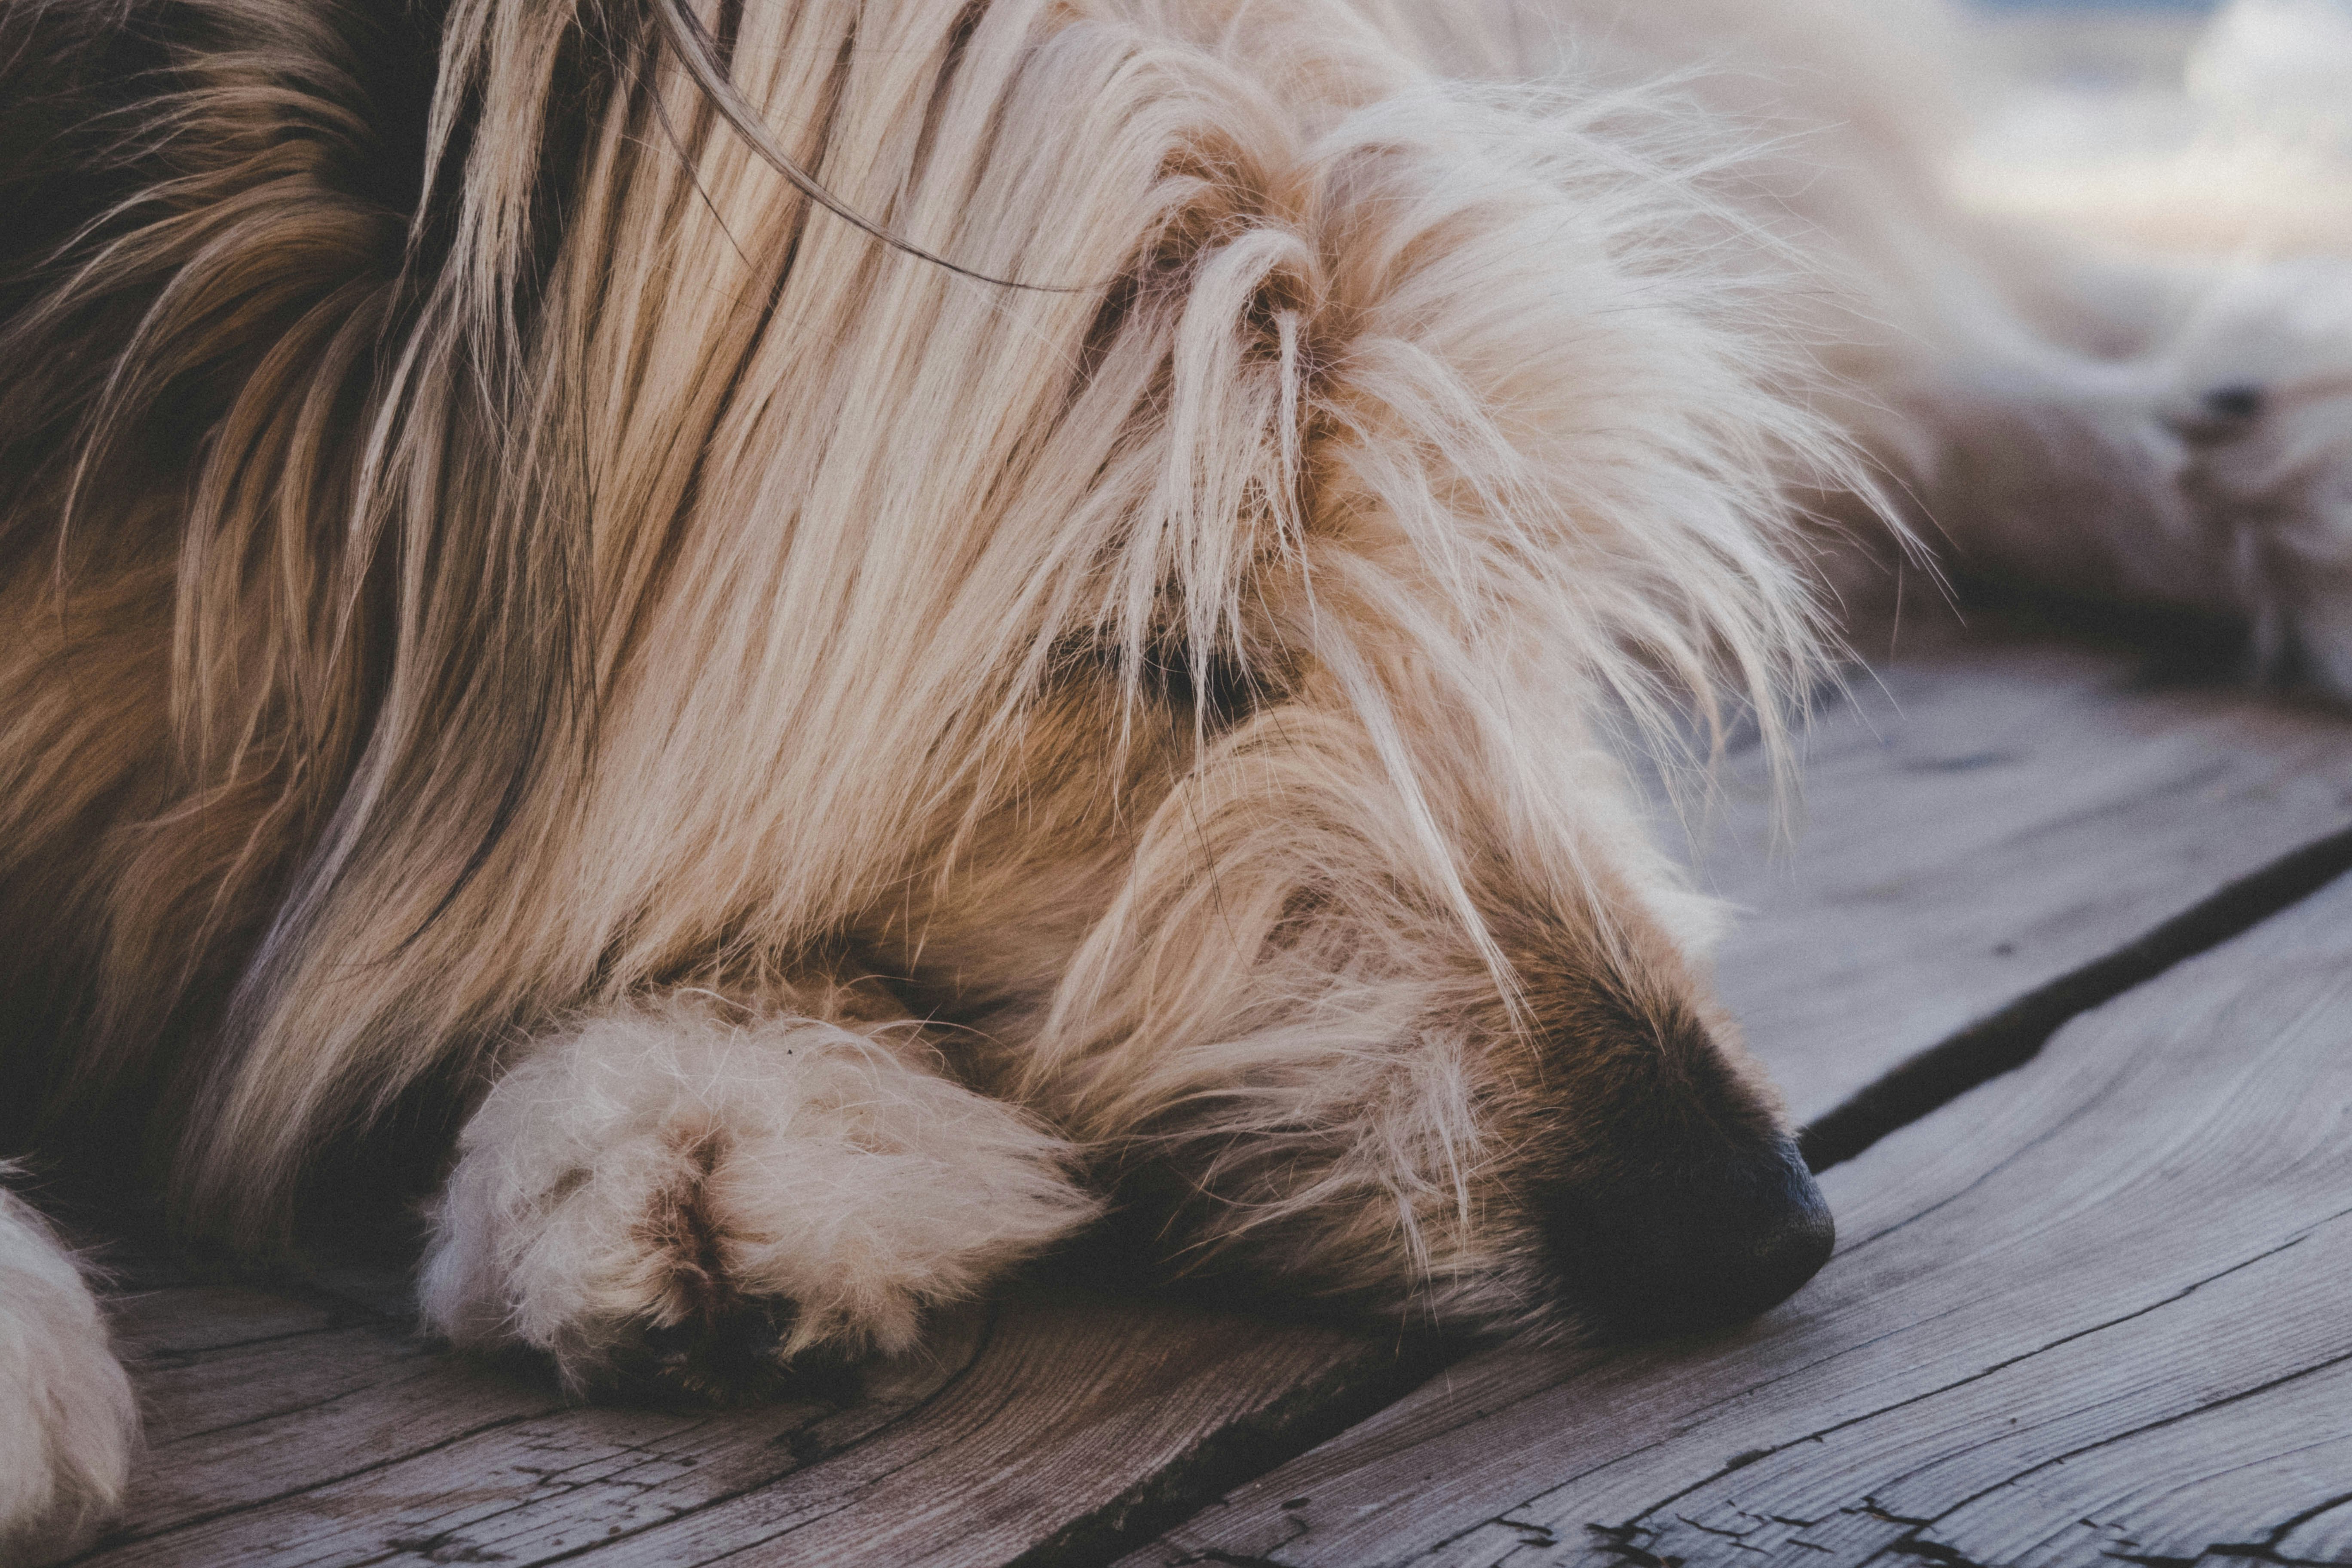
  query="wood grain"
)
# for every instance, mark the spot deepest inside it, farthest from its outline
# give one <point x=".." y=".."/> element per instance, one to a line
<point x="1014" y="1426"/>
<point x="1052" y="1428"/>
<point x="1982" y="818"/>
<point x="232" y="1430"/>
<point x="540" y="1473"/>
<point x="155" y="1327"/>
<point x="2107" y="1288"/>
<point x="1947" y="822"/>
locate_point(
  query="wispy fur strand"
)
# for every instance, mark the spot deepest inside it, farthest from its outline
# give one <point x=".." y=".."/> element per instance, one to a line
<point x="864" y="627"/>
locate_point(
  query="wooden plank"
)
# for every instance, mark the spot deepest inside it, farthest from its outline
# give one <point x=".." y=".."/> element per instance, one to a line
<point x="2325" y="1537"/>
<point x="261" y="1381"/>
<point x="1054" y="1427"/>
<point x="2109" y="1286"/>
<point x="233" y="1430"/>
<point x="2239" y="1479"/>
<point x="550" y="1476"/>
<point x="155" y="1328"/>
<point x="2021" y="755"/>
<point x="1982" y="818"/>
<point x="1047" y="1408"/>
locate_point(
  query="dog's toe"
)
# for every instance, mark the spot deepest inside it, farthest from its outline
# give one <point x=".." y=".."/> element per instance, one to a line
<point x="742" y="1354"/>
<point x="2230" y="412"/>
<point x="677" y="1203"/>
<point x="2266" y="416"/>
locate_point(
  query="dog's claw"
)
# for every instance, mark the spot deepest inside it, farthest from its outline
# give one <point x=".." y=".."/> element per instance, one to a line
<point x="736" y="1357"/>
<point x="2241" y="401"/>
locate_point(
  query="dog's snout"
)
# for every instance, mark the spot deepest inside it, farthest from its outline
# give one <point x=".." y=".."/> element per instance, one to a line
<point x="1706" y="1247"/>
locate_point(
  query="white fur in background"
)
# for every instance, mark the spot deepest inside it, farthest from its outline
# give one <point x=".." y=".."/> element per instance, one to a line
<point x="69" y="1425"/>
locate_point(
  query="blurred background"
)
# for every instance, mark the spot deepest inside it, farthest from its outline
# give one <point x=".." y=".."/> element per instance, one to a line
<point x="2193" y="125"/>
<point x="2140" y="5"/>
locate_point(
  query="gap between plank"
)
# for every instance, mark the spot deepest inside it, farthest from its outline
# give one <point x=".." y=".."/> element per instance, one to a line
<point x="1997" y="1044"/>
<point x="2014" y="1036"/>
<point x="1984" y="1050"/>
<point x="1302" y="1419"/>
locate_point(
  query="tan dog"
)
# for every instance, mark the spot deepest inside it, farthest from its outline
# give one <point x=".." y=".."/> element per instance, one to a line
<point x="856" y="626"/>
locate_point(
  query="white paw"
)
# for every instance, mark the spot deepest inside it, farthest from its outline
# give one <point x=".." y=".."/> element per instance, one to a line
<point x="685" y="1193"/>
<point x="2266" y="409"/>
<point x="69" y="1422"/>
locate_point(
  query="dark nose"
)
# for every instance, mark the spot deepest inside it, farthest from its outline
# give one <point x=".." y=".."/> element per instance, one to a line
<point x="1698" y="1247"/>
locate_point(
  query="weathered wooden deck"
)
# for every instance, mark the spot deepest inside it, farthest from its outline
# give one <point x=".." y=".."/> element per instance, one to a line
<point x="2092" y="1308"/>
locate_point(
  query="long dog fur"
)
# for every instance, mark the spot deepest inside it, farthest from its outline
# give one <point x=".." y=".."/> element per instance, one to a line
<point x="855" y="623"/>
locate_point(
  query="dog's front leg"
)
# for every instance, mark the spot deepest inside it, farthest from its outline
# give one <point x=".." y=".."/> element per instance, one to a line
<point x="685" y="1191"/>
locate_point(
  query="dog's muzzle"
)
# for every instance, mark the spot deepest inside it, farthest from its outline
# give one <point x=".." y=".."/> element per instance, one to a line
<point x="1700" y="1249"/>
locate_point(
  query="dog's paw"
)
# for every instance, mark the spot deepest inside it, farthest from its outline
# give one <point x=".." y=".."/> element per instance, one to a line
<point x="677" y="1198"/>
<point x="2267" y="412"/>
<point x="68" y="1424"/>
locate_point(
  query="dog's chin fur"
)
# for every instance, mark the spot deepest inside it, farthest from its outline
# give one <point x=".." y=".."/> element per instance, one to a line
<point x="859" y="624"/>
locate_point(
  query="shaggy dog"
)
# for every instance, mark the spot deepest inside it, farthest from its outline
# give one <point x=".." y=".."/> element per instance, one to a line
<point x="850" y="628"/>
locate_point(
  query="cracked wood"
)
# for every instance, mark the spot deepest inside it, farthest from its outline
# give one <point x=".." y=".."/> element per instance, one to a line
<point x="2091" y="1309"/>
<point x="1982" y="816"/>
<point x="1932" y="886"/>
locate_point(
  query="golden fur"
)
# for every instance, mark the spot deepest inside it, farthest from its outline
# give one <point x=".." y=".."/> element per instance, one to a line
<point x="859" y="625"/>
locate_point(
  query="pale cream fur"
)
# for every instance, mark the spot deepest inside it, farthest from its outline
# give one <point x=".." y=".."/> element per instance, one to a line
<point x="653" y="1157"/>
<point x="68" y="1424"/>
<point x="864" y="623"/>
